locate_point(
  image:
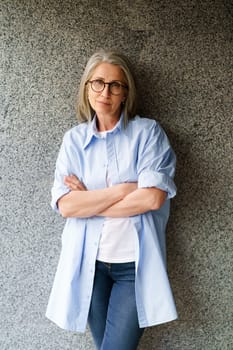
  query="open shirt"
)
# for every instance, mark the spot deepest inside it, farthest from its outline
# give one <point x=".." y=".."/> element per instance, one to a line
<point x="139" y="152"/>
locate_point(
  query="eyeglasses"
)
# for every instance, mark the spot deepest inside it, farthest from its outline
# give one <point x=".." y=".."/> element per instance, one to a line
<point x="115" y="87"/>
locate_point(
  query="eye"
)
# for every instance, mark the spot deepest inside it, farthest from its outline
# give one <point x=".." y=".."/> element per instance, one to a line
<point x="98" y="84"/>
<point x="115" y="85"/>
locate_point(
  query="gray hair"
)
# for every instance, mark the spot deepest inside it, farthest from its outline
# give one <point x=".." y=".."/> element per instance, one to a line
<point x="84" y="111"/>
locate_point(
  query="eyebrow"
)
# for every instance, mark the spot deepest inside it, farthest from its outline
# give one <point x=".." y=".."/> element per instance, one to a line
<point x="111" y="81"/>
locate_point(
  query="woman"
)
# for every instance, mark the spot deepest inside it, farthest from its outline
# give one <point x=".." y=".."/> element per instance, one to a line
<point x="113" y="181"/>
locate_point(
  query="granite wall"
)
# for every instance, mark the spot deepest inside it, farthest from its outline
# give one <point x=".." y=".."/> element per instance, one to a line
<point x="182" y="53"/>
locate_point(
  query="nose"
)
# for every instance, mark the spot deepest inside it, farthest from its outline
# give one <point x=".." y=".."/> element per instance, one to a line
<point x="106" y="91"/>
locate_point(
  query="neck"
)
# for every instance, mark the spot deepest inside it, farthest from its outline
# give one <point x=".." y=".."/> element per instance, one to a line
<point x="106" y="123"/>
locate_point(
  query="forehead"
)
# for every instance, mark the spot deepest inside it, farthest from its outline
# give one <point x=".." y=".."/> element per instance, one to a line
<point x="108" y="72"/>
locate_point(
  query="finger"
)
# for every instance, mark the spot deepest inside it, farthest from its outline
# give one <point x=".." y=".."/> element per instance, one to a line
<point x="74" y="183"/>
<point x="71" y="180"/>
<point x="69" y="183"/>
<point x="81" y="186"/>
<point x="68" y="179"/>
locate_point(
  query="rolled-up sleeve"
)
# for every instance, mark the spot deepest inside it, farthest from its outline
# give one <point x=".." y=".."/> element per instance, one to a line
<point x="156" y="161"/>
<point x="63" y="168"/>
<point x="56" y="194"/>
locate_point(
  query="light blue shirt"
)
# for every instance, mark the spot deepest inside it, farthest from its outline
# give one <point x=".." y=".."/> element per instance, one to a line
<point x="140" y="152"/>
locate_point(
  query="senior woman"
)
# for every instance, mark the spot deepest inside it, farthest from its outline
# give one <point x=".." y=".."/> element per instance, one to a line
<point x="113" y="184"/>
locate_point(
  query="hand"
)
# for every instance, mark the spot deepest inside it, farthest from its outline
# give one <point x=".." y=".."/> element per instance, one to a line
<point x="73" y="183"/>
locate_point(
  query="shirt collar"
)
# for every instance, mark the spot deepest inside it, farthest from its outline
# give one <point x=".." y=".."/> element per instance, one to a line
<point x="93" y="133"/>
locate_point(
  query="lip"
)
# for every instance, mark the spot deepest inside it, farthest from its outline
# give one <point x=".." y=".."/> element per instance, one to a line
<point x="105" y="103"/>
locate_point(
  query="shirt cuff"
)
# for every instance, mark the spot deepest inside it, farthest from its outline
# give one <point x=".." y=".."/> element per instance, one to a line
<point x="56" y="195"/>
<point x="150" y="178"/>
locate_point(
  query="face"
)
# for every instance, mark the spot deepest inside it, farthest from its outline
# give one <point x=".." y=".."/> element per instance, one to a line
<point x="104" y="103"/>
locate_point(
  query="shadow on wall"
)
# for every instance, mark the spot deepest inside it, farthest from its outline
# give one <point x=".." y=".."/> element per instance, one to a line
<point x="195" y="179"/>
<point x="158" y="100"/>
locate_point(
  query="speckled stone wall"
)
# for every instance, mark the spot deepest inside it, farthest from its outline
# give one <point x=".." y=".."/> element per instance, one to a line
<point x="182" y="53"/>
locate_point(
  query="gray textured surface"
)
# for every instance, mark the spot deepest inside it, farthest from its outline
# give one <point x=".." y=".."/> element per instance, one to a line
<point x="182" y="52"/>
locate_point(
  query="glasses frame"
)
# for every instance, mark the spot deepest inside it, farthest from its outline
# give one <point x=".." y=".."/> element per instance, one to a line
<point x="107" y="83"/>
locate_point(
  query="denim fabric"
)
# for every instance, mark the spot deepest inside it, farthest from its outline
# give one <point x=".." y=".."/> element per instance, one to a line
<point x="113" y="316"/>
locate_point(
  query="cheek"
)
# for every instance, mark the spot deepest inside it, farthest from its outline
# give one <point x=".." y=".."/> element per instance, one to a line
<point x="119" y="101"/>
<point x="89" y="95"/>
<point x="91" y="100"/>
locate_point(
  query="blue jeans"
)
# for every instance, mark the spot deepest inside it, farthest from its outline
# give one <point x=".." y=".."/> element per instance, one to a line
<point x="113" y="316"/>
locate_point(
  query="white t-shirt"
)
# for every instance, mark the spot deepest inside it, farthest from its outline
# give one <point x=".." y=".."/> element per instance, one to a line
<point x="117" y="241"/>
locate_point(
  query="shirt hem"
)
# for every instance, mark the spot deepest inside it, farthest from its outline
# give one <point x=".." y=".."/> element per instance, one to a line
<point x="157" y="323"/>
<point x="116" y="261"/>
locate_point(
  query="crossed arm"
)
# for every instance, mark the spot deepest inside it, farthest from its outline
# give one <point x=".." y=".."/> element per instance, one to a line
<point x="121" y="200"/>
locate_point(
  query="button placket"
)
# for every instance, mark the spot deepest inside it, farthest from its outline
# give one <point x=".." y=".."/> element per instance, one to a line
<point x="112" y="159"/>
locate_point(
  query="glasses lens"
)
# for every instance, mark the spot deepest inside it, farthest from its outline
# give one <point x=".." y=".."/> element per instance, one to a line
<point x="97" y="85"/>
<point x="115" y="88"/>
